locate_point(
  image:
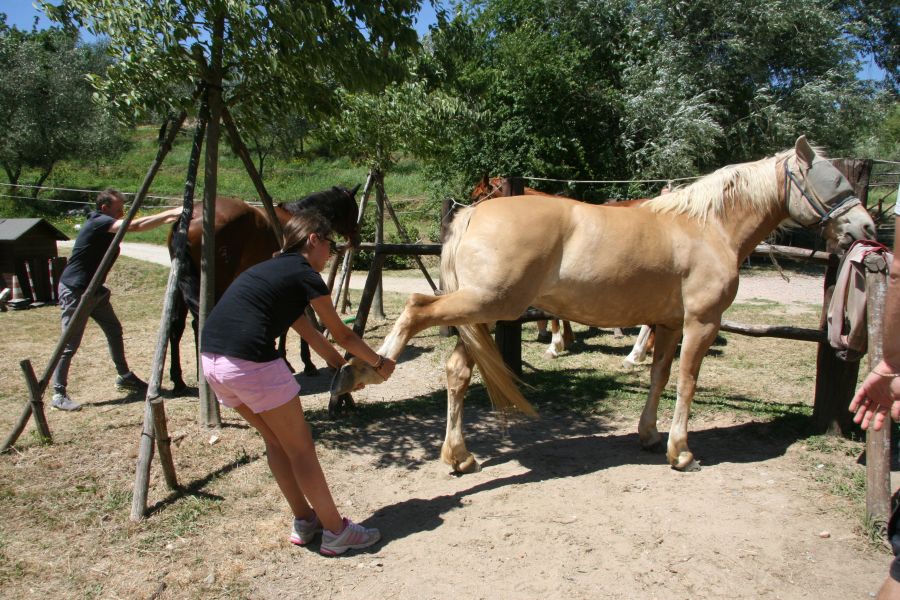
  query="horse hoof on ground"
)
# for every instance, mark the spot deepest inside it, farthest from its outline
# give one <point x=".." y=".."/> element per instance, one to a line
<point x="179" y="387"/>
<point x="629" y="364"/>
<point x="686" y="463"/>
<point x="469" y="465"/>
<point x="656" y="447"/>
<point x="551" y="354"/>
<point x="310" y="370"/>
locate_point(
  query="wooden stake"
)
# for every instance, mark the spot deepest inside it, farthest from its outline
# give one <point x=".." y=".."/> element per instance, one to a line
<point x="209" y="408"/>
<point x="378" y="299"/>
<point x="155" y="426"/>
<point x="348" y="258"/>
<point x="404" y="236"/>
<point x="878" y="443"/>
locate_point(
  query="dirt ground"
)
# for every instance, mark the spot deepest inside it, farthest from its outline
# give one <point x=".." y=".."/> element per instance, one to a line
<point x="567" y="506"/>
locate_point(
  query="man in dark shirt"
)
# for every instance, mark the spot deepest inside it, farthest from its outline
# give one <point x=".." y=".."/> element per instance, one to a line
<point x="93" y="240"/>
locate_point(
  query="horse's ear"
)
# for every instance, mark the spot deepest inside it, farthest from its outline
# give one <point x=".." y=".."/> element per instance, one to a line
<point x="355" y="189"/>
<point x="804" y="151"/>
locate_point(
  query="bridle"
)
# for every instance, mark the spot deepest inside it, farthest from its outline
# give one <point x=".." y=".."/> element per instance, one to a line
<point x="825" y="210"/>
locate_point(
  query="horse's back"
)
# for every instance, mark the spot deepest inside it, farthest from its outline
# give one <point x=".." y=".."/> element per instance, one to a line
<point x="593" y="264"/>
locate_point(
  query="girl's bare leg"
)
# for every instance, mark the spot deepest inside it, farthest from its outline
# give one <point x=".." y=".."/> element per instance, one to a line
<point x="291" y="434"/>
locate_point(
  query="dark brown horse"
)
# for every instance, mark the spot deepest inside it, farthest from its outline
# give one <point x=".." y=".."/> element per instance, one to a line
<point x="243" y="239"/>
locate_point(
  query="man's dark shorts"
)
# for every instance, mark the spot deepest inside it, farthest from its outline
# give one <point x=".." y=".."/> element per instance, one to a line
<point x="894" y="537"/>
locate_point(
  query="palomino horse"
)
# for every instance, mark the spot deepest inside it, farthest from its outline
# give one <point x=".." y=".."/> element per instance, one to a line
<point x="672" y="261"/>
<point x="563" y="339"/>
<point x="243" y="239"/>
<point x="559" y="338"/>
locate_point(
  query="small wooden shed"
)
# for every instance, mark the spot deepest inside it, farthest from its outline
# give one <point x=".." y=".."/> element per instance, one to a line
<point x="28" y="251"/>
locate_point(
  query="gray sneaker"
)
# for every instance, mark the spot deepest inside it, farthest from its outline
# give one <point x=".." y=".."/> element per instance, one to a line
<point x="353" y="537"/>
<point x="130" y="383"/>
<point x="63" y="402"/>
<point x="304" y="532"/>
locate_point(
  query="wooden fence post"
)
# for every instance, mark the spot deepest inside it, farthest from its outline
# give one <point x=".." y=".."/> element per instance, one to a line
<point x="378" y="299"/>
<point x="508" y="334"/>
<point x="878" y="443"/>
<point x="835" y="378"/>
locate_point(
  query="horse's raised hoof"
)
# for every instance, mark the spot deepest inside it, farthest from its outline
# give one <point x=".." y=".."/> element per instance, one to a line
<point x="339" y="405"/>
<point x="310" y="370"/>
<point x="686" y="463"/>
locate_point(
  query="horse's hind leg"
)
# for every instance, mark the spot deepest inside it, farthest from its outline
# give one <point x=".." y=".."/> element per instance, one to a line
<point x="459" y="375"/>
<point x="663" y="354"/>
<point x="698" y="337"/>
<point x="556" y="342"/>
<point x="309" y="367"/>
<point x="176" y="331"/>
<point x="461" y="307"/>
<point x="639" y="352"/>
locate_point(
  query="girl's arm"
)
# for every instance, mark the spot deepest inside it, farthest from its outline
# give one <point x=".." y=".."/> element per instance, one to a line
<point x="347" y="339"/>
<point x="318" y="342"/>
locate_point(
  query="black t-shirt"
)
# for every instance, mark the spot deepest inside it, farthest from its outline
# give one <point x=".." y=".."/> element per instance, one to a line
<point x="259" y="306"/>
<point x="90" y="246"/>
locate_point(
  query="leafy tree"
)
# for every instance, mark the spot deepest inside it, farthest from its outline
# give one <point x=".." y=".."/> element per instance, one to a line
<point x="616" y="89"/>
<point x="267" y="56"/>
<point x="46" y="109"/>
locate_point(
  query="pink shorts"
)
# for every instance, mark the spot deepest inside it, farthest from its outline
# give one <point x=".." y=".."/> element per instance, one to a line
<point x="259" y="386"/>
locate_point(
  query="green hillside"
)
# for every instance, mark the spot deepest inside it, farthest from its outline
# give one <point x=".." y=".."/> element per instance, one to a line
<point x="73" y="184"/>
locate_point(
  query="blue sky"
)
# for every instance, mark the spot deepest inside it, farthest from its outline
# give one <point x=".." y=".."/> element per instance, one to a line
<point x="21" y="13"/>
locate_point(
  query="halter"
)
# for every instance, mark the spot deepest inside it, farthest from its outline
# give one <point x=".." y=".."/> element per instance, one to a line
<point x="822" y="209"/>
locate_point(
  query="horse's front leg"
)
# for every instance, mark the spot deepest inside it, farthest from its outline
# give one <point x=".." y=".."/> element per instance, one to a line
<point x="568" y="335"/>
<point x="663" y="354"/>
<point x="698" y="337"/>
<point x="459" y="375"/>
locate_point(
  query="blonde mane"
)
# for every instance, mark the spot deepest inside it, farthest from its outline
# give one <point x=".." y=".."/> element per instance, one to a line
<point x="711" y="196"/>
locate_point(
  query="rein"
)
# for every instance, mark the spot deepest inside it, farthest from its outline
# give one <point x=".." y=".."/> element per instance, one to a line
<point x="821" y="209"/>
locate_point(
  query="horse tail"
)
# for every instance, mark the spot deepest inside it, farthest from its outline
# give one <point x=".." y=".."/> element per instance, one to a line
<point x="500" y="382"/>
<point x="451" y="246"/>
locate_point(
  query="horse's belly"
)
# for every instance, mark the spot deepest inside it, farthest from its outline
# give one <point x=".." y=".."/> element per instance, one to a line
<point x="611" y="303"/>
